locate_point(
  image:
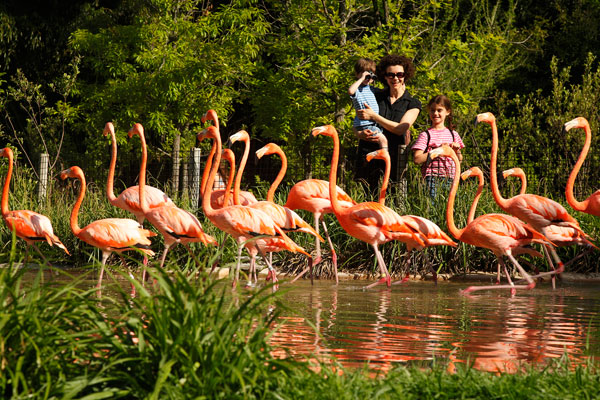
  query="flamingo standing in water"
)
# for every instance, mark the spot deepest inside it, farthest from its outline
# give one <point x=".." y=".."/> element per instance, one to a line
<point x="540" y="212"/>
<point x="591" y="205"/>
<point x="28" y="225"/>
<point x="559" y="235"/>
<point x="173" y="223"/>
<point x="218" y="196"/>
<point x="502" y="234"/>
<point x="371" y="222"/>
<point x="110" y="234"/>
<point x="429" y="233"/>
<point x="312" y="195"/>
<point x="129" y="199"/>
<point x="287" y="219"/>
<point x="477" y="173"/>
<point x="244" y="224"/>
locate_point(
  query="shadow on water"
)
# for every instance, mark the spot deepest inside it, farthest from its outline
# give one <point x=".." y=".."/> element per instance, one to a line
<point x="419" y="323"/>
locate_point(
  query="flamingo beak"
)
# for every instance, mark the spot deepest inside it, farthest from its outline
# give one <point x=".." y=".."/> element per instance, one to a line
<point x="507" y="173"/>
<point x="570" y="125"/>
<point x="372" y="155"/>
<point x="108" y="128"/>
<point x="466" y="174"/>
<point x="65" y="174"/>
<point x="234" y="138"/>
<point x="261" y="152"/>
<point x="318" y="130"/>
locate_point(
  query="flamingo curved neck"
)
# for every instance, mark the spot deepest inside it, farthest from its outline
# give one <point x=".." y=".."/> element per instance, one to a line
<point x="386" y="179"/>
<point x="335" y="205"/>
<point x="206" y="171"/>
<point x="457" y="233"/>
<point x="6" y="187"/>
<point x="570" y="196"/>
<point x="75" y="212"/>
<point x="501" y="201"/>
<point x="142" y="179"/>
<point x="208" y="210"/>
<point x="473" y="207"/>
<point x="111" y="169"/>
<point x="279" y="177"/>
<point x="227" y="194"/>
<point x="238" y="177"/>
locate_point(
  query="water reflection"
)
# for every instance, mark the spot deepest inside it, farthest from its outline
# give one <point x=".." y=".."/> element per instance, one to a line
<point x="418" y="323"/>
<point x="421" y="323"/>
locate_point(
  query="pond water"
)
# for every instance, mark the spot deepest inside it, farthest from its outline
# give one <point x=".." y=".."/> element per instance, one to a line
<point x="420" y="323"/>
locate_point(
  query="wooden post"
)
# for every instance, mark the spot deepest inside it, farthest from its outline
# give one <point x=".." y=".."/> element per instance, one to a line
<point x="196" y="175"/>
<point x="43" y="172"/>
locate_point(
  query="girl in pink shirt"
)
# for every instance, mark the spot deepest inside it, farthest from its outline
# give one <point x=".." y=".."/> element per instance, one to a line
<point x="441" y="170"/>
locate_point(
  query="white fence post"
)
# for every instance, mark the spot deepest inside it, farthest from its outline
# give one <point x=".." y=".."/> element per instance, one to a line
<point x="43" y="173"/>
<point x="196" y="176"/>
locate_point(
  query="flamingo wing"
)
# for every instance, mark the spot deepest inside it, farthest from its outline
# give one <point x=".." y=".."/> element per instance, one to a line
<point x="541" y="211"/>
<point x="129" y="199"/>
<point x="430" y="232"/>
<point x="117" y="234"/>
<point x="179" y="224"/>
<point x="285" y="218"/>
<point x="32" y="226"/>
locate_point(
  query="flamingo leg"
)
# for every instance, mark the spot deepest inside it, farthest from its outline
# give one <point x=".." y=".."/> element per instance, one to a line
<point x="382" y="269"/>
<point x="164" y="255"/>
<point x="317" y="241"/>
<point x="40" y="253"/>
<point x="272" y="274"/>
<point x="528" y="278"/>
<point x="333" y="253"/>
<point x="237" y="266"/>
<point x="105" y="256"/>
<point x="566" y="264"/>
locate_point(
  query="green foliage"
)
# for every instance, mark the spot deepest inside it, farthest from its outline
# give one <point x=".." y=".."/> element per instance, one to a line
<point x="164" y="64"/>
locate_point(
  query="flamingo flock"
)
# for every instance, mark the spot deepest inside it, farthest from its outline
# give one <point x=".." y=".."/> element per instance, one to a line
<point x="262" y="227"/>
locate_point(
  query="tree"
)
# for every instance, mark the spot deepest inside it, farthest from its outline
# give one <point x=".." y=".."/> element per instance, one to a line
<point x="164" y="63"/>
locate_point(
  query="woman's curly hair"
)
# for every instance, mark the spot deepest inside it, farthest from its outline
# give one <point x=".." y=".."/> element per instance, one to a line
<point x="395" y="59"/>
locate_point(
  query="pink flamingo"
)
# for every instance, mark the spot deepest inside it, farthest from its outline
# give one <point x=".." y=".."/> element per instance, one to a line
<point x="173" y="223"/>
<point x="312" y="195"/>
<point x="129" y="199"/>
<point x="476" y="172"/>
<point x="110" y="234"/>
<point x="428" y="232"/>
<point x="285" y="218"/>
<point x="559" y="235"/>
<point x="218" y="196"/>
<point x="502" y="234"/>
<point x="540" y="212"/>
<point x="370" y="222"/>
<point x="591" y="205"/>
<point x="28" y="225"/>
<point x="245" y="224"/>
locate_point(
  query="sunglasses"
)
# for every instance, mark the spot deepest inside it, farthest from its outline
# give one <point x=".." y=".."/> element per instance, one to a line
<point x="398" y="75"/>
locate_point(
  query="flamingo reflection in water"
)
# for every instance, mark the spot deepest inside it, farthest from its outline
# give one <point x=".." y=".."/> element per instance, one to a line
<point x="524" y="338"/>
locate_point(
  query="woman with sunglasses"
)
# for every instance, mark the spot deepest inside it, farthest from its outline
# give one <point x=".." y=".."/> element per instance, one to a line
<point x="398" y="111"/>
